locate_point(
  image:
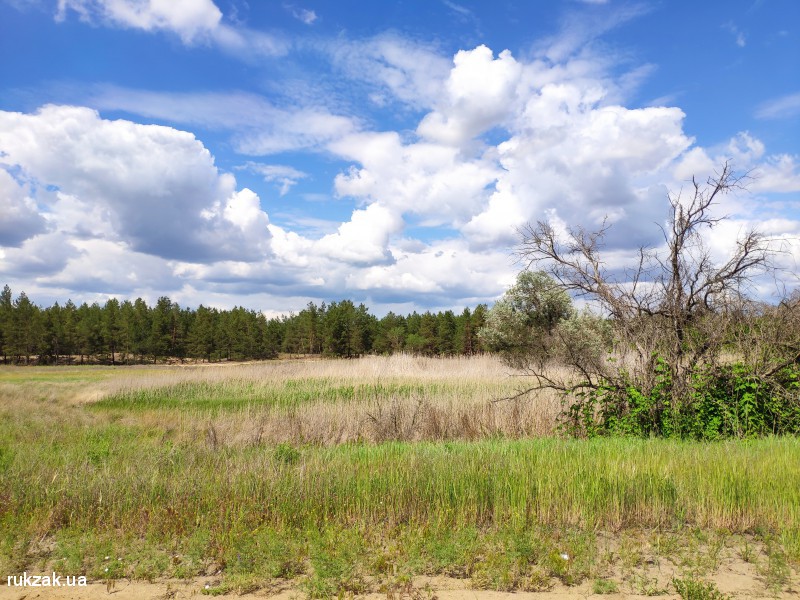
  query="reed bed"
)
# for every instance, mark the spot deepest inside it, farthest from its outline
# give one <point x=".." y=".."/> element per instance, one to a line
<point x="373" y="399"/>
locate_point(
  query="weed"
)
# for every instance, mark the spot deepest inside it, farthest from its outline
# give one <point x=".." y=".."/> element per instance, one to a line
<point x="693" y="589"/>
<point x="605" y="586"/>
<point x="776" y="571"/>
<point x="747" y="551"/>
<point x="666" y="544"/>
<point x="647" y="586"/>
<point x="286" y="454"/>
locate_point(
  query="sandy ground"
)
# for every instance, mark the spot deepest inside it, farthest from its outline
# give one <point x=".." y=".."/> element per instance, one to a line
<point x="736" y="578"/>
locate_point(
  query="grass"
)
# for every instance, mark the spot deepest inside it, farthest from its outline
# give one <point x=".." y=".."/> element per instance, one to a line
<point x="168" y="473"/>
<point x="692" y="589"/>
<point x="332" y="402"/>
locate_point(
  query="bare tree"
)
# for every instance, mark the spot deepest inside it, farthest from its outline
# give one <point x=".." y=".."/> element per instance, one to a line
<point x="671" y="314"/>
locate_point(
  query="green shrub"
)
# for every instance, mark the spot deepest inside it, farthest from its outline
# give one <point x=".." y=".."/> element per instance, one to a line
<point x="692" y="589"/>
<point x="728" y="401"/>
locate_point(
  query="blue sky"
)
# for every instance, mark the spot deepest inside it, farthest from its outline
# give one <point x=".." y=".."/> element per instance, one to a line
<point x="268" y="154"/>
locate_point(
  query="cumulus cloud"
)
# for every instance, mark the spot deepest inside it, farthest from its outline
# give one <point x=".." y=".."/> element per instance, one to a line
<point x="20" y="215"/>
<point x="569" y="154"/>
<point x="499" y="141"/>
<point x="778" y="173"/>
<point x="364" y="239"/>
<point x="430" y="180"/>
<point x="439" y="273"/>
<point x="111" y="268"/>
<point x="38" y="256"/>
<point x="480" y="94"/>
<point x="155" y="188"/>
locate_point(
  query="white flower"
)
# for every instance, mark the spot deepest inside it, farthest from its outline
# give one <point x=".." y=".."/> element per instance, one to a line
<point x="565" y="556"/>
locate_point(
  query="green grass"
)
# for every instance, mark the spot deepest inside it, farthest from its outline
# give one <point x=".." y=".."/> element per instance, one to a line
<point x="22" y="375"/>
<point x="279" y="394"/>
<point x="692" y="589"/>
<point x="78" y="485"/>
<point x="117" y="475"/>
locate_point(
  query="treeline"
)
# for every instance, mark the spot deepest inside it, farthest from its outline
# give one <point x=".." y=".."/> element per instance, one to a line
<point x="133" y="332"/>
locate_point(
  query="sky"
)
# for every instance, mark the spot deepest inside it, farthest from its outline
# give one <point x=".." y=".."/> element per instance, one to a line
<point x="271" y="153"/>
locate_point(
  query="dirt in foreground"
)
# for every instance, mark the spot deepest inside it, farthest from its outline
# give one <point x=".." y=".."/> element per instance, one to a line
<point x="735" y="579"/>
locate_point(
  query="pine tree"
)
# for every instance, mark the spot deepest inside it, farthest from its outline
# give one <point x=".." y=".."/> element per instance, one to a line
<point x="26" y="329"/>
<point x="69" y="338"/>
<point x="112" y="330"/>
<point x="6" y="320"/>
<point x="446" y="333"/>
<point x="201" y="333"/>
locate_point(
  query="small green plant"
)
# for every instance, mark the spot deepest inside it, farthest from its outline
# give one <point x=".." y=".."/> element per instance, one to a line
<point x="776" y="571"/>
<point x="694" y="589"/>
<point x="536" y="580"/>
<point x="747" y="552"/>
<point x="286" y="454"/>
<point x="605" y="586"/>
<point x="665" y="544"/>
<point x="647" y="586"/>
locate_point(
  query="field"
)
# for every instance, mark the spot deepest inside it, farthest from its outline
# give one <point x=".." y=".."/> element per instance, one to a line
<point x="397" y="477"/>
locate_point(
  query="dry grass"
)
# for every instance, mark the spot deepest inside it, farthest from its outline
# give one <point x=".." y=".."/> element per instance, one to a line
<point x="328" y="402"/>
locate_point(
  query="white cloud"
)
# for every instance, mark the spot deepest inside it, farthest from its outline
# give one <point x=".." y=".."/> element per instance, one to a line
<point x="213" y="110"/>
<point x="580" y="30"/>
<point x="306" y="128"/>
<point x="739" y="36"/>
<point x="785" y="107"/>
<point x="364" y="239"/>
<point x="283" y="175"/>
<point x="305" y="15"/>
<point x="480" y="94"/>
<point x="764" y="173"/>
<point x="38" y="256"/>
<point x="20" y="215"/>
<point x="108" y="267"/>
<point x="430" y="180"/>
<point x="444" y="269"/>
<point x="156" y="188"/>
<point x="504" y="141"/>
<point x="410" y="72"/>
<point x="777" y="173"/>
<point x="460" y="10"/>
<point x="572" y="157"/>
<point x="259" y="127"/>
<point x="190" y="19"/>
<point x="194" y="21"/>
<point x="744" y="149"/>
<point x="248" y="44"/>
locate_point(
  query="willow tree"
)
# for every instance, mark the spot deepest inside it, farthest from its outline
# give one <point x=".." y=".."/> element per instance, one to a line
<point x="672" y="314"/>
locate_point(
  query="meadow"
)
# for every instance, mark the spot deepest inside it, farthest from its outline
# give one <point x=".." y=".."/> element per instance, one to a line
<point x="342" y="477"/>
